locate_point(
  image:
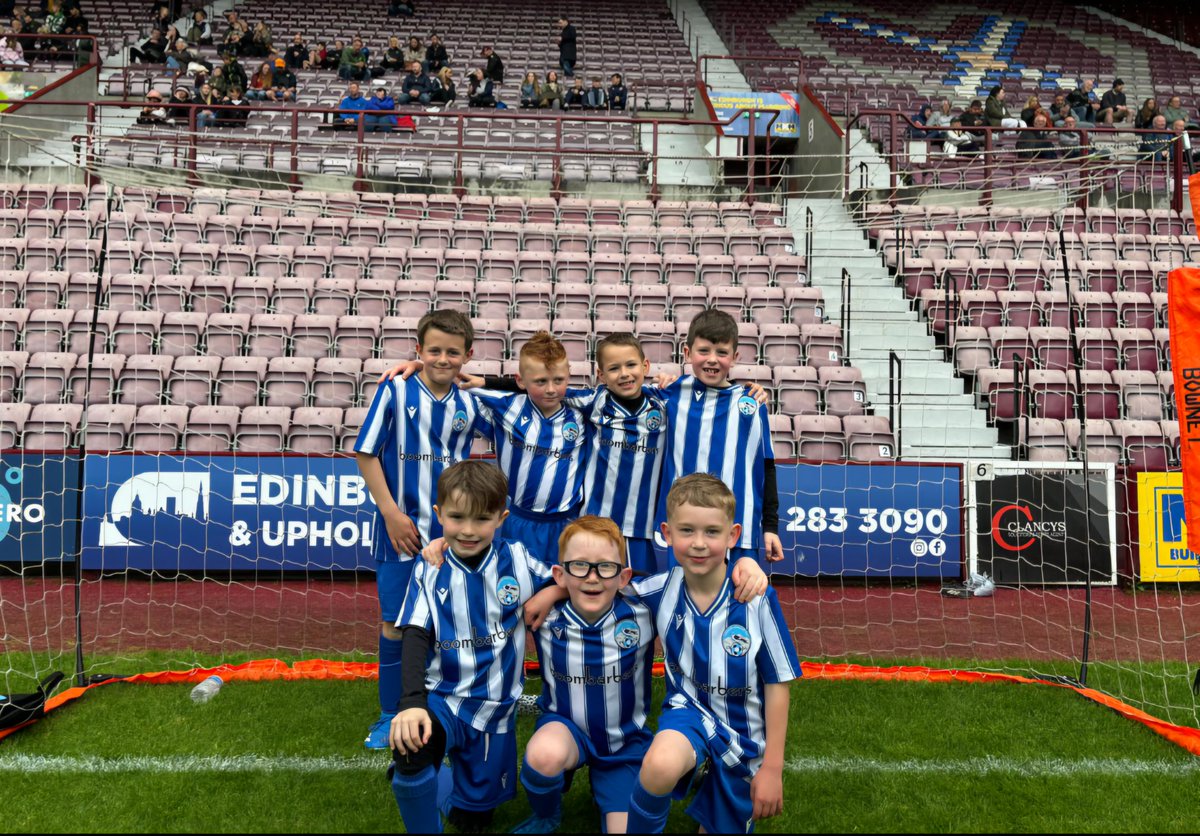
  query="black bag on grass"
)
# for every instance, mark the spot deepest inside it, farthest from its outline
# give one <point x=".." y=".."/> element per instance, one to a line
<point x="18" y="709"/>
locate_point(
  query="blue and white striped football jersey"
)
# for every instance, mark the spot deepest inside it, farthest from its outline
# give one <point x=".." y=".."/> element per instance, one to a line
<point x="476" y="619"/>
<point x="625" y="457"/>
<point x="722" y="432"/>
<point x="542" y="457"/>
<point x="416" y="436"/>
<point x="598" y="675"/>
<point x="719" y="661"/>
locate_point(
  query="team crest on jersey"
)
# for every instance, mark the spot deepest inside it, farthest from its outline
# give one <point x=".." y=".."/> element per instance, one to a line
<point x="747" y="405"/>
<point x="460" y="421"/>
<point x="736" y="640"/>
<point x="508" y="590"/>
<point x="570" y="431"/>
<point x="654" y="419"/>
<point x="628" y="634"/>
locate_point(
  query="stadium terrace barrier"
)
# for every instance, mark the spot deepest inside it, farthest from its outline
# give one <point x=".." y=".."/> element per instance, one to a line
<point x="36" y="48"/>
<point x="895" y="137"/>
<point x="178" y="146"/>
<point x="780" y="60"/>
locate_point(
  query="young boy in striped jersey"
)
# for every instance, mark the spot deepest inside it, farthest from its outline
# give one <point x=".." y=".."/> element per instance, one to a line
<point x="728" y="668"/>
<point x="462" y="659"/>
<point x="595" y="651"/>
<point x="717" y="427"/>
<point x="414" y="429"/>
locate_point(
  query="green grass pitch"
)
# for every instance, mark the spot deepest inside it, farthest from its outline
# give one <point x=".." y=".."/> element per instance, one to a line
<point x="862" y="756"/>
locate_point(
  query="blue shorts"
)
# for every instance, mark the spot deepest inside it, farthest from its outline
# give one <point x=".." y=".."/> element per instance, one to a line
<point x="642" y="557"/>
<point x="485" y="763"/>
<point x="537" y="532"/>
<point x="722" y="803"/>
<point x="614" y="776"/>
<point x="391" y="580"/>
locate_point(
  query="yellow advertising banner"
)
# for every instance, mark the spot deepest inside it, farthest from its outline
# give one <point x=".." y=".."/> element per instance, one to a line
<point x="1162" y="531"/>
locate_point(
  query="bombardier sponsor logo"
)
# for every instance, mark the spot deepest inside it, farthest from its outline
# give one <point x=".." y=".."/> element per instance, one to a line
<point x="1014" y="529"/>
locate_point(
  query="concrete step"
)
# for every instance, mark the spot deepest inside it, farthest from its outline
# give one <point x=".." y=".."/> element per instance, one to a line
<point x="948" y="436"/>
<point x="889" y="338"/>
<point x="954" y="454"/>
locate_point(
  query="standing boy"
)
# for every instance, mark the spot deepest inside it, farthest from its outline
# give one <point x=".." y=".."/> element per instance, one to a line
<point x="728" y="668"/>
<point x="463" y="660"/>
<point x="717" y="427"/>
<point x="414" y="430"/>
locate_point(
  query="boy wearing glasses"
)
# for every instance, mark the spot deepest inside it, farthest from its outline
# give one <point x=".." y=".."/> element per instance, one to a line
<point x="595" y="650"/>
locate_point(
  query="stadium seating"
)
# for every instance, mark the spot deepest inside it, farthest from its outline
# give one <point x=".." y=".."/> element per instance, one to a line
<point x="223" y="324"/>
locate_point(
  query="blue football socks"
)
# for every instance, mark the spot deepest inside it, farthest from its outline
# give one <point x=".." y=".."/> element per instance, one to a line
<point x="647" y="812"/>
<point x="416" y="796"/>
<point x="544" y="791"/>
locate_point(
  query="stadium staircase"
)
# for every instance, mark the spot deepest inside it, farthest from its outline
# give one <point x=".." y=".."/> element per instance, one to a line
<point x="938" y="420"/>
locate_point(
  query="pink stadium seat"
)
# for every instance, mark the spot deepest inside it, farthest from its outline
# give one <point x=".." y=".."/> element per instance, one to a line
<point x="210" y="429"/>
<point x="819" y="437"/>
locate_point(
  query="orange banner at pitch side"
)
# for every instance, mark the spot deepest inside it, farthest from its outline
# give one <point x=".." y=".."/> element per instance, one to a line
<point x="1183" y="312"/>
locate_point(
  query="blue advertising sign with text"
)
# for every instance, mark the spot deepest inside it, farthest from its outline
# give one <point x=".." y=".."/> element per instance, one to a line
<point x="38" y="496"/>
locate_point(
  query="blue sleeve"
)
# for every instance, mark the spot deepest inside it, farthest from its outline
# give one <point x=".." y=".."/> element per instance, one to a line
<point x="650" y="590"/>
<point x="767" y="450"/>
<point x="378" y="423"/>
<point x="776" y="661"/>
<point x="415" y="611"/>
<point x="582" y="399"/>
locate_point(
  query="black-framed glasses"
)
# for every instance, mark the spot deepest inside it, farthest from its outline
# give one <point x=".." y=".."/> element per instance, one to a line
<point x="605" y="569"/>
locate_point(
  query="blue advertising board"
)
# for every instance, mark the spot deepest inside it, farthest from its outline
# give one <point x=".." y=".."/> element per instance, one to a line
<point x="726" y="105"/>
<point x="870" y="520"/>
<point x="38" y="501"/>
<point x="236" y="513"/>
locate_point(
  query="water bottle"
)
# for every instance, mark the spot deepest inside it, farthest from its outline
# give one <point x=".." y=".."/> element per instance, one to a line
<point x="207" y="689"/>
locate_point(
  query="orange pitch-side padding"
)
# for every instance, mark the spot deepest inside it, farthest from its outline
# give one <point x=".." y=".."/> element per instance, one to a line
<point x="1183" y="311"/>
<point x="263" y="670"/>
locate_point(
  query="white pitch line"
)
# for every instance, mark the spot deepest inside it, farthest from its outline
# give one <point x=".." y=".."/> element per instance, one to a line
<point x="190" y="764"/>
<point x="982" y="766"/>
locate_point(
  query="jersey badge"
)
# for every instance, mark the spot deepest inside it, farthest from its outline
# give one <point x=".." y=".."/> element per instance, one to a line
<point x="508" y="590"/>
<point x="628" y="634"/>
<point x="736" y="640"/>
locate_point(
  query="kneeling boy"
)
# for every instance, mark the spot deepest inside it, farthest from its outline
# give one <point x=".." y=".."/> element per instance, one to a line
<point x="728" y="668"/>
<point x="462" y="659"/>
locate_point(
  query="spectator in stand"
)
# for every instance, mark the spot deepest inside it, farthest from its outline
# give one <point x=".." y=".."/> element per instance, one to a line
<point x="997" y="111"/>
<point x="403" y="8"/>
<point x="1059" y="110"/>
<point x="261" y="82"/>
<point x="1157" y="145"/>
<point x="961" y="141"/>
<point x="618" y="93"/>
<point x="567" y="54"/>
<point x="220" y="84"/>
<point x="1174" y="112"/>
<point x="177" y="109"/>
<point x="436" y="56"/>
<point x="373" y="120"/>
<point x="495" y="67"/>
<point x="1084" y="102"/>
<point x="351" y="64"/>
<point x="232" y="114"/>
<point x="1112" y="105"/>
<point x="353" y="101"/>
<point x="595" y="98"/>
<point x="920" y="124"/>
<point x="160" y="18"/>
<point x="417" y="88"/>
<point x="326" y="59"/>
<point x="283" y="83"/>
<point x="201" y="32"/>
<point x="11" y="53"/>
<point x="1036" y="145"/>
<point x="1032" y="108"/>
<point x="413" y="51"/>
<point x="76" y="23"/>
<point x="297" y="53"/>
<point x="235" y="74"/>
<point x="235" y="35"/>
<point x="152" y="51"/>
<point x="154" y="113"/>
<point x="393" y="56"/>
<point x="974" y="118"/>
<point x="443" y="86"/>
<point x="573" y="98"/>
<point x="479" y="90"/>
<point x="260" y="45"/>
<point x="181" y="55"/>
<point x="1069" y="140"/>
<point x="1147" y="112"/>
<point x="552" y="92"/>
<point x="211" y="99"/>
<point x="531" y="90"/>
<point x="1184" y="143"/>
<point x="940" y="118"/>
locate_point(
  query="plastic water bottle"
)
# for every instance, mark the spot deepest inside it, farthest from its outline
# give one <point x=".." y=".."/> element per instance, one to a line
<point x="207" y="689"/>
